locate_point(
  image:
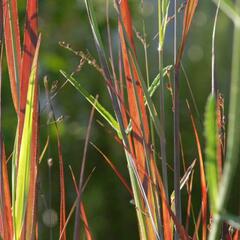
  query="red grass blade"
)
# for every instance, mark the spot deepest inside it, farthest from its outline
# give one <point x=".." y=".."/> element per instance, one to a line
<point x="13" y="47"/>
<point x="139" y="149"/>
<point x="29" y="47"/>
<point x="138" y="113"/>
<point x="195" y="236"/>
<point x="84" y="218"/>
<point x="5" y="210"/>
<point x="137" y="109"/>
<point x="167" y="225"/>
<point x="203" y="178"/>
<point x="189" y="205"/>
<point x="236" y="235"/>
<point x="188" y="16"/>
<point x="119" y="175"/>
<point x="168" y="214"/>
<point x="82" y="210"/>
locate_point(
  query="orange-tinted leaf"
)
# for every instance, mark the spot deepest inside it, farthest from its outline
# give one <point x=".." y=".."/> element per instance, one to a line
<point x="29" y="46"/>
<point x="82" y="210"/>
<point x="203" y="178"/>
<point x="236" y="235"/>
<point x="13" y="47"/>
<point x="188" y="16"/>
<point x="29" y="49"/>
<point x="167" y="226"/>
<point x="132" y="101"/>
<point x="5" y="210"/>
<point x="138" y="113"/>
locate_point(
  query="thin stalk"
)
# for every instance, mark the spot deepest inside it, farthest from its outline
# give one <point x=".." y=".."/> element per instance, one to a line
<point x="213" y="50"/>
<point x="162" y="110"/>
<point x="137" y="197"/>
<point x="232" y="157"/>
<point x="148" y="82"/>
<point x="176" y="126"/>
<point x="152" y="132"/>
<point x="81" y="178"/>
<point x="1" y="145"/>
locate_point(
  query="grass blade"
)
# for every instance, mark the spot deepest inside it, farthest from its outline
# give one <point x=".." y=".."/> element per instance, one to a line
<point x="211" y="151"/>
<point x="29" y="43"/>
<point x="188" y="16"/>
<point x="13" y="47"/>
<point x="5" y="207"/>
<point x="229" y="9"/>
<point x="233" y="136"/>
<point x="80" y="185"/>
<point x="118" y="174"/>
<point x="62" y="222"/>
<point x="23" y="173"/>
<point x="202" y="176"/>
<point x="101" y="110"/>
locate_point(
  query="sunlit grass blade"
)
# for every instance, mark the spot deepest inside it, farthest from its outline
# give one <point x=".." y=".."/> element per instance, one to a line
<point x="157" y="80"/>
<point x="163" y="7"/>
<point x="13" y="47"/>
<point x="106" y="72"/>
<point x="101" y="110"/>
<point x="135" y="93"/>
<point x="211" y="151"/>
<point x="139" y="193"/>
<point x="29" y="43"/>
<point x="140" y="123"/>
<point x="188" y="16"/>
<point x="24" y="162"/>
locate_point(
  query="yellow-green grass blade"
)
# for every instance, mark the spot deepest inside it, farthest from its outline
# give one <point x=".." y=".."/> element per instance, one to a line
<point x="94" y="102"/>
<point x="211" y="151"/>
<point x="100" y="108"/>
<point x="23" y="173"/>
<point x="156" y="82"/>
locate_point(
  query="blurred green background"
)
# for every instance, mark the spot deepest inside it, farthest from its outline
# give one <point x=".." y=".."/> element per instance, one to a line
<point x="107" y="202"/>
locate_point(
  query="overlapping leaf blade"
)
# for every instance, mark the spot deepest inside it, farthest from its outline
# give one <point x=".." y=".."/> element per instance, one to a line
<point x="24" y="162"/>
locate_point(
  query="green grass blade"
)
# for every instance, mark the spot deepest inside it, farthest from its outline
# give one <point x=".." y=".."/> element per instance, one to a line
<point x="233" y="136"/>
<point x="156" y="82"/>
<point x="230" y="10"/>
<point x="211" y="151"/>
<point x="95" y="103"/>
<point x="23" y="174"/>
